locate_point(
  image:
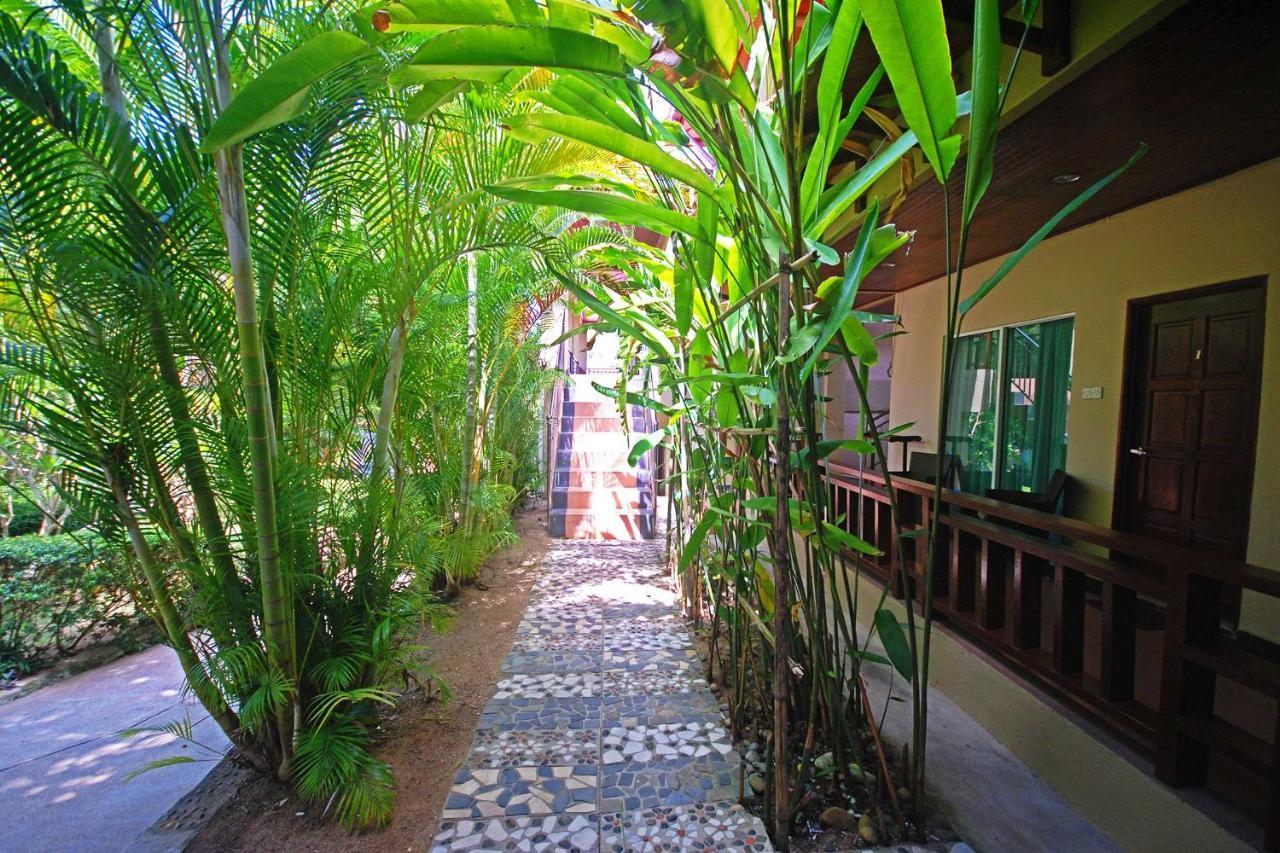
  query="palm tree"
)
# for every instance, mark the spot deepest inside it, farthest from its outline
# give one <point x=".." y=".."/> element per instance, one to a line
<point x="212" y="340"/>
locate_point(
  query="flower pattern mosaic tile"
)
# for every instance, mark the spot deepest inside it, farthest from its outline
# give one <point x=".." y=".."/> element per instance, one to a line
<point x="602" y="733"/>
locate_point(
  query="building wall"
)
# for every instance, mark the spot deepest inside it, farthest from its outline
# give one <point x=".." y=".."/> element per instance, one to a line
<point x="1224" y="230"/>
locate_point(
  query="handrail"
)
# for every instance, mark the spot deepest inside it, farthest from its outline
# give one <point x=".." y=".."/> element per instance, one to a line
<point x="1017" y="582"/>
<point x="1235" y="572"/>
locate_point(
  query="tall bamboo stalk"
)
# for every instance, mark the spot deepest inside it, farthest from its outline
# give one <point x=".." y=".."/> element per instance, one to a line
<point x="782" y="579"/>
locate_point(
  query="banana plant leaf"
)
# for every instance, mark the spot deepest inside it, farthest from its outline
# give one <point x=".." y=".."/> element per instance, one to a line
<point x="281" y="92"/>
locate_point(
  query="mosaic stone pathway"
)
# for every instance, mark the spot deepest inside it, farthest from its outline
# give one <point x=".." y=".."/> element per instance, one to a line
<point x="602" y="734"/>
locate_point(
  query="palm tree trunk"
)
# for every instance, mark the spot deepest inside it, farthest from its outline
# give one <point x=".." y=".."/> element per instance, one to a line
<point x="397" y="346"/>
<point x="277" y="621"/>
<point x="473" y="392"/>
<point x="171" y="621"/>
<point x="193" y="462"/>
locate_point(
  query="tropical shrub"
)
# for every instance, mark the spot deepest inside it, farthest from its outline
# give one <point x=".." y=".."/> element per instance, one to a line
<point x="57" y="592"/>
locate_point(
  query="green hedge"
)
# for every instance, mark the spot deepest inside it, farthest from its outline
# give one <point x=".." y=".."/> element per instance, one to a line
<point x="58" y="591"/>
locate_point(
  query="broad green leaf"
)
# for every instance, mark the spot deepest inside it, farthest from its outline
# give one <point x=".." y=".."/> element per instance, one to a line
<point x="595" y="100"/>
<point x="617" y="141"/>
<point x="987" y="52"/>
<point x="621" y="209"/>
<point x="830" y="446"/>
<point x="801" y="342"/>
<point x="635" y="328"/>
<point x="835" y="65"/>
<point x="409" y="75"/>
<point x="727" y="414"/>
<point x="894" y="639"/>
<point x="716" y="18"/>
<point x="694" y="543"/>
<point x="683" y="287"/>
<point x="844" y="539"/>
<point x="859" y="341"/>
<point x="766" y="503"/>
<point x="431" y="97"/>
<point x="636" y="399"/>
<point x="280" y="93"/>
<point x="911" y="38"/>
<point x="967" y="304"/>
<point x="724" y="377"/>
<point x="433" y="16"/>
<point x="546" y="47"/>
<point x="885" y="240"/>
<point x="855" y="269"/>
<point x="840" y="197"/>
<point x="647" y="443"/>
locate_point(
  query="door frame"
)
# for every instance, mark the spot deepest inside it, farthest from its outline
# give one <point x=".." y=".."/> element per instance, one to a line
<point x="1135" y="319"/>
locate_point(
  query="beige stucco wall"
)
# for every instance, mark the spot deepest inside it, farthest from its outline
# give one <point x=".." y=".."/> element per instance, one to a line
<point x="1227" y="229"/>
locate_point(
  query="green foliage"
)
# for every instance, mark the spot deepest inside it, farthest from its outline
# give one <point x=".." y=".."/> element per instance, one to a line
<point x="58" y="592"/>
<point x="294" y="501"/>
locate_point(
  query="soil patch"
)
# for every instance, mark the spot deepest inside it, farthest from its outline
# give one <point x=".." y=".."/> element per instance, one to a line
<point x="423" y="739"/>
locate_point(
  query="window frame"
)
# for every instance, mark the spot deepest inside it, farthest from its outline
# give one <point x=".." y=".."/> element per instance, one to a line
<point x="1001" y="333"/>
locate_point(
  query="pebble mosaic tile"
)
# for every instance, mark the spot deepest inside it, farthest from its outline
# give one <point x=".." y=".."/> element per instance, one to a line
<point x="488" y="792"/>
<point x="544" y="685"/>
<point x="707" y="826"/>
<point x="575" y="833"/>
<point x="602" y="733"/>
<point x="562" y="747"/>
<point x="560" y="660"/>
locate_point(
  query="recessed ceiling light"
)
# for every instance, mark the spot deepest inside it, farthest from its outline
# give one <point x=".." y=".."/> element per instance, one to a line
<point x="1066" y="178"/>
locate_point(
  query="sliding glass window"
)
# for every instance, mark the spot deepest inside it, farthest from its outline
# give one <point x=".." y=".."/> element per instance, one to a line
<point x="1007" y="424"/>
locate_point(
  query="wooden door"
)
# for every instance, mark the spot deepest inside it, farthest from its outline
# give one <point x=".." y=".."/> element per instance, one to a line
<point x="1190" y="430"/>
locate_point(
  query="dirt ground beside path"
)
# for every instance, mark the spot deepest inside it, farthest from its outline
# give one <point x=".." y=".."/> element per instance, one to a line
<point x="424" y="742"/>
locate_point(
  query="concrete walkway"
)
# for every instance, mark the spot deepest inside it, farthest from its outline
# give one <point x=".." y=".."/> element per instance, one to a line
<point x="62" y="767"/>
<point x="602" y="734"/>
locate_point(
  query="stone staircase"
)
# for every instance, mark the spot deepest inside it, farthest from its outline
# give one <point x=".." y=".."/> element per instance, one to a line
<point x="595" y="492"/>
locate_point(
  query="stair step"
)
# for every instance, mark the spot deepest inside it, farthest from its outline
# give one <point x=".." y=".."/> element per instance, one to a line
<point x="599" y="479"/>
<point x="599" y="423"/>
<point x="608" y="459"/>
<point x="613" y="524"/>
<point x="596" y="408"/>
<point x="596" y="442"/>
<point x="602" y="499"/>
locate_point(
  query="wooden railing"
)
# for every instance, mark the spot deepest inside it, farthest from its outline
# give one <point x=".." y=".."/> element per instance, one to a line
<point x="1038" y="591"/>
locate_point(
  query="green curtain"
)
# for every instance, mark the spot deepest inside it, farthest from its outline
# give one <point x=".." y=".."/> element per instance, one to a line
<point x="1037" y="393"/>
<point x="971" y="413"/>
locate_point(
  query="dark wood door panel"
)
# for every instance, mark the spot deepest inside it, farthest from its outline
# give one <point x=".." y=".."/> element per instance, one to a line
<point x="1171" y="355"/>
<point x="1188" y="440"/>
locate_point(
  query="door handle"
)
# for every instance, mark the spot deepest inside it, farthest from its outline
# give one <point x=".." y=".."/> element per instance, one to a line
<point x="1138" y="451"/>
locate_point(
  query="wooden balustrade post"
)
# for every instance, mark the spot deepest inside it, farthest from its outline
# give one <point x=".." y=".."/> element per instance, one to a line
<point x="962" y="572"/>
<point x="1119" y="641"/>
<point x="1185" y="689"/>
<point x="991" y="583"/>
<point x="1068" y="619"/>
<point x="1028" y="590"/>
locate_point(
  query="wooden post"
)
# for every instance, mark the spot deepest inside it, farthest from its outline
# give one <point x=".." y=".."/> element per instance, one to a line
<point x="782" y="578"/>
